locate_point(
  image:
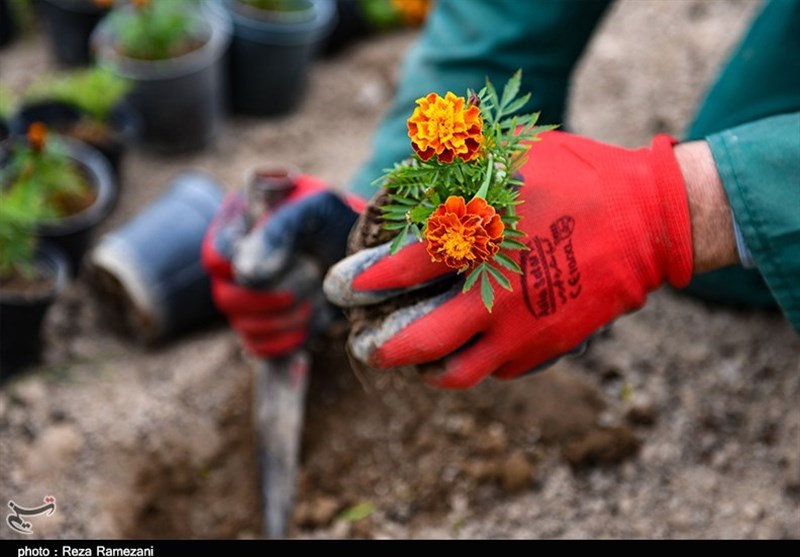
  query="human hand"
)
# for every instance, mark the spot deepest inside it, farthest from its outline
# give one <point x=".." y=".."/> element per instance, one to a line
<point x="604" y="226"/>
<point x="267" y="280"/>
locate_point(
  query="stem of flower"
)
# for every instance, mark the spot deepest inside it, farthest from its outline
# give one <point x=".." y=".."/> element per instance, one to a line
<point x="484" y="189"/>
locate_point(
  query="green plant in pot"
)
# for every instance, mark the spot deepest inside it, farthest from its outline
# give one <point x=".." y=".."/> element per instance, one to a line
<point x="273" y="47"/>
<point x="31" y="275"/>
<point x="86" y="105"/>
<point x="172" y="53"/>
<point x="71" y="182"/>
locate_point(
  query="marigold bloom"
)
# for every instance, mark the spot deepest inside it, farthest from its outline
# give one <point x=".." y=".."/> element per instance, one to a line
<point x="37" y="135"/>
<point x="464" y="235"/>
<point x="446" y="128"/>
<point x="414" y="12"/>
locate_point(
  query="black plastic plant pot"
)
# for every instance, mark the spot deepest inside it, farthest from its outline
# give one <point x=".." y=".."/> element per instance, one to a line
<point x="180" y="101"/>
<point x="69" y="25"/>
<point x="122" y="127"/>
<point x="271" y="54"/>
<point x="351" y="26"/>
<point x="148" y="274"/>
<point x="7" y="27"/>
<point x="22" y="313"/>
<point x="73" y="234"/>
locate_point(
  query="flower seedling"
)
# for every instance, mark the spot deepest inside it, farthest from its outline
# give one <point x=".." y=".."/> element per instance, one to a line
<point x="156" y="30"/>
<point x="460" y="189"/>
<point x="38" y="182"/>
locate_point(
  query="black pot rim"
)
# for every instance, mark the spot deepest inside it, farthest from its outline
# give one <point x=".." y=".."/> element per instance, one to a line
<point x="80" y="6"/>
<point x="284" y="33"/>
<point x="102" y="179"/>
<point x="52" y="257"/>
<point x="218" y="25"/>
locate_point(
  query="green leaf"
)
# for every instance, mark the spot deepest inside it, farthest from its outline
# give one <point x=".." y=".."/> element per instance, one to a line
<point x="487" y="292"/>
<point x="357" y="512"/>
<point x="507" y="262"/>
<point x="512" y="244"/>
<point x="511" y="89"/>
<point x="472" y="278"/>
<point x="513" y="232"/>
<point x="420" y="213"/>
<point x="400" y="240"/>
<point x="395" y="225"/>
<point x="499" y="277"/>
<point x="484" y="189"/>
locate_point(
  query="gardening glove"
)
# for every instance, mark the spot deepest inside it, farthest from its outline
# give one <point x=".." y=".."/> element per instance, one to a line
<point x="267" y="280"/>
<point x="604" y="227"/>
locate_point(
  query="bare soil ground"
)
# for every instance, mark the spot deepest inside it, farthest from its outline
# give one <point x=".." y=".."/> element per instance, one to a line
<point x="683" y="421"/>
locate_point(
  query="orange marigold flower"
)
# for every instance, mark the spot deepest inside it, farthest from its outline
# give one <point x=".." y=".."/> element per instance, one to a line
<point x="37" y="135"/>
<point x="464" y="235"/>
<point x="445" y="127"/>
<point x="414" y="12"/>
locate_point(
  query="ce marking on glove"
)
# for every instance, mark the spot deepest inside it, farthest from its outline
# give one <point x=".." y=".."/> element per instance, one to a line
<point x="550" y="274"/>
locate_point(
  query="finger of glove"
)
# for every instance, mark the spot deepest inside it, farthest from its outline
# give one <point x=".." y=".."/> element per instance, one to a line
<point x="226" y="230"/>
<point x="317" y="225"/>
<point x="515" y="369"/>
<point x="471" y="365"/>
<point x="275" y="345"/>
<point x="372" y="275"/>
<point x="423" y="332"/>
<point x="272" y="323"/>
<point x="232" y="299"/>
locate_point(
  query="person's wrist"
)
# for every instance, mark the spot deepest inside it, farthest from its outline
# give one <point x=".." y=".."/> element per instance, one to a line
<point x="713" y="239"/>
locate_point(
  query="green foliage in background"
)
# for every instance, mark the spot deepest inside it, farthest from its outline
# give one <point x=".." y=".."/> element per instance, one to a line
<point x="158" y="30"/>
<point x="95" y="91"/>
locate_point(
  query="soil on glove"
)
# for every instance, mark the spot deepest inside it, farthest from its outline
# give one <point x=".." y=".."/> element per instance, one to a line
<point x="682" y="421"/>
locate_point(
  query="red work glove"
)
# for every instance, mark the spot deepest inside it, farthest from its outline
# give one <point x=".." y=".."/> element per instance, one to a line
<point x="604" y="225"/>
<point x="255" y="277"/>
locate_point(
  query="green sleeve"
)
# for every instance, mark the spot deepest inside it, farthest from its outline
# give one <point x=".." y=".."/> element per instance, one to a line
<point x="759" y="164"/>
<point x="466" y="41"/>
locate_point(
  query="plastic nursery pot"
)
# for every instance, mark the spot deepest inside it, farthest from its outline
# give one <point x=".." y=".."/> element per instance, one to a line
<point x="179" y="101"/>
<point x="351" y="26"/>
<point x="109" y="138"/>
<point x="148" y="274"/>
<point x="6" y="24"/>
<point x="23" y="308"/>
<point x="73" y="234"/>
<point x="271" y="54"/>
<point x="69" y="25"/>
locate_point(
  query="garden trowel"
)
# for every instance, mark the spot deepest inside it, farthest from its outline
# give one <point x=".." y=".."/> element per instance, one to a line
<point x="280" y="383"/>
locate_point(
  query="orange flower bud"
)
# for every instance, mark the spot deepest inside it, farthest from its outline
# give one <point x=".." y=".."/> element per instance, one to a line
<point x="37" y="136"/>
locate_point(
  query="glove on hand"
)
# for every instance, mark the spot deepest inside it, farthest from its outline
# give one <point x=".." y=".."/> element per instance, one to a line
<point x="604" y="226"/>
<point x="266" y="280"/>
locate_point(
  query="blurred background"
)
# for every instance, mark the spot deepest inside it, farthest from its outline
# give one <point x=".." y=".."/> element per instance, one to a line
<point x="684" y="421"/>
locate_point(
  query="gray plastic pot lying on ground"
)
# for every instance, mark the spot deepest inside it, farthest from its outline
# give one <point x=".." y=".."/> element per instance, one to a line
<point x="148" y="274"/>
<point x="180" y="101"/>
<point x="271" y="54"/>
